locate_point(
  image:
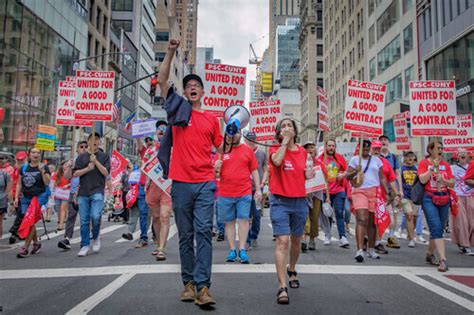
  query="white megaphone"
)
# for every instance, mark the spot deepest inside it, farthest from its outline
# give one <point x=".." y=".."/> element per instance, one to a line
<point x="236" y="117"/>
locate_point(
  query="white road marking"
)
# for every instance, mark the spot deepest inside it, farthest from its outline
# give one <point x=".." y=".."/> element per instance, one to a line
<point x="225" y="268"/>
<point x="7" y="235"/>
<point x="103" y="231"/>
<point x="87" y="305"/>
<point x="452" y="283"/>
<point x="173" y="231"/>
<point x="440" y="291"/>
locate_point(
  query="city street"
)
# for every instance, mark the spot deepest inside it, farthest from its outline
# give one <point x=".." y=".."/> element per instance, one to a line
<point x="124" y="280"/>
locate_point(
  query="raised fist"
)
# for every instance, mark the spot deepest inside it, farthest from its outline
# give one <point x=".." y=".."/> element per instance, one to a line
<point x="173" y="44"/>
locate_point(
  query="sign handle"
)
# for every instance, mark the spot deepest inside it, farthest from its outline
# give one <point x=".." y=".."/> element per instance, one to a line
<point x="73" y="143"/>
<point x="92" y="139"/>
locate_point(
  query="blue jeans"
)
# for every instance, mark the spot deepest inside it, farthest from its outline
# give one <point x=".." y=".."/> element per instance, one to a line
<point x="436" y="217"/>
<point x="25" y="202"/>
<point x="347" y="211"/>
<point x="338" y="203"/>
<point x="193" y="206"/>
<point x="90" y="210"/>
<point x="144" y="219"/>
<point x="220" y="225"/>
<point x="419" y="222"/>
<point x="255" y="226"/>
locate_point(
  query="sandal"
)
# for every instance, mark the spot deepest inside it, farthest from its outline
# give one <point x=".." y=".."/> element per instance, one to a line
<point x="283" y="299"/>
<point x="294" y="284"/>
<point x="156" y="251"/>
<point x="160" y="256"/>
<point x="431" y="259"/>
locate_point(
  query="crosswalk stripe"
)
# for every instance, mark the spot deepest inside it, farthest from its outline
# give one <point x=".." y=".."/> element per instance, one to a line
<point x="103" y="231"/>
<point x="7" y="235"/>
<point x="51" y="236"/>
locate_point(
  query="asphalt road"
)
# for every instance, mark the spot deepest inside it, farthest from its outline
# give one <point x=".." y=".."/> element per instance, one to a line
<point x="124" y="280"/>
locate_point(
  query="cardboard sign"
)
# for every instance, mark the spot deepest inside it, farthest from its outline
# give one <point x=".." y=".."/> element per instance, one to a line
<point x="224" y="86"/>
<point x="365" y="106"/>
<point x="144" y="128"/>
<point x="464" y="138"/>
<point x="264" y="116"/>
<point x="61" y="194"/>
<point x="94" y="95"/>
<point x="401" y="132"/>
<point x="117" y="164"/>
<point x="154" y="171"/>
<point x="323" y="109"/>
<point x="433" y="108"/>
<point x="65" y="105"/>
<point x="45" y="138"/>
<point x="317" y="182"/>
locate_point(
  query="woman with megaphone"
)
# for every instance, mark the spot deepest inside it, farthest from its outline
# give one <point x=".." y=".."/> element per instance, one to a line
<point x="288" y="206"/>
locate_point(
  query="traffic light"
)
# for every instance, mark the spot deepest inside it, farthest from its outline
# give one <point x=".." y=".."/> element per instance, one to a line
<point x="153" y="84"/>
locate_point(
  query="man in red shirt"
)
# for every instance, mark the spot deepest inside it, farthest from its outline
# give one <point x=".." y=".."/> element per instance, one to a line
<point x="336" y="167"/>
<point x="192" y="172"/>
<point x="235" y="194"/>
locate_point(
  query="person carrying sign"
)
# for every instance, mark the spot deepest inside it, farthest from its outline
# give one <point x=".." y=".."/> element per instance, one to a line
<point x="193" y="133"/>
<point x="92" y="168"/>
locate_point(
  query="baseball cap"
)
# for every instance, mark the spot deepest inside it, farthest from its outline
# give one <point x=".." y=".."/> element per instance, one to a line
<point x="376" y="144"/>
<point x="190" y="77"/>
<point x="21" y="155"/>
<point x="161" y="122"/>
<point x="149" y="139"/>
<point x="251" y="135"/>
<point x="307" y="143"/>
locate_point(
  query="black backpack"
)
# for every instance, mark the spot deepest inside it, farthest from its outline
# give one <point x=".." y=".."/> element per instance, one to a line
<point x="417" y="192"/>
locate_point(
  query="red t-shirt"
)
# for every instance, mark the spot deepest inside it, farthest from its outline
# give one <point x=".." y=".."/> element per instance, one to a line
<point x="62" y="182"/>
<point x="237" y="167"/>
<point x="288" y="179"/>
<point x="334" y="166"/>
<point x="192" y="146"/>
<point x="145" y="155"/>
<point x="444" y="170"/>
<point x="388" y="173"/>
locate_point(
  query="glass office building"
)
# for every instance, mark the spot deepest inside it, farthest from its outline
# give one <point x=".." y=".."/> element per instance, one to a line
<point x="287" y="54"/>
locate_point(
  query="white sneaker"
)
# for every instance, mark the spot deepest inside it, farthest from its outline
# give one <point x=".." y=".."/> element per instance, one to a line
<point x="359" y="256"/>
<point x="372" y="254"/>
<point x="421" y="239"/>
<point x="411" y="243"/>
<point x="343" y="242"/>
<point x="469" y="252"/>
<point x="84" y="251"/>
<point x="96" y="245"/>
<point x="327" y="241"/>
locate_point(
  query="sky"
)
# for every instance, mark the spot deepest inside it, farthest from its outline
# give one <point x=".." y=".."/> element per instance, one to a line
<point x="230" y="26"/>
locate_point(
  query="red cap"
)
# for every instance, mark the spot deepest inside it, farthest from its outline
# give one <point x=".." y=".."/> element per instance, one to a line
<point x="21" y="155"/>
<point x="376" y="144"/>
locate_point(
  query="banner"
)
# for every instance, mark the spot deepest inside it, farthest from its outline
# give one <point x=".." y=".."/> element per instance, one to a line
<point x="45" y="138"/>
<point x="464" y="138"/>
<point x="94" y="95"/>
<point x="365" y="106"/>
<point x="117" y="164"/>
<point x="381" y="215"/>
<point x="143" y="128"/>
<point x="264" y="116"/>
<point x="224" y="86"/>
<point x="65" y="105"/>
<point x="317" y="182"/>
<point x="433" y="108"/>
<point x="323" y="109"/>
<point x="402" y="139"/>
<point x="153" y="170"/>
<point x="61" y="194"/>
<point x="367" y="136"/>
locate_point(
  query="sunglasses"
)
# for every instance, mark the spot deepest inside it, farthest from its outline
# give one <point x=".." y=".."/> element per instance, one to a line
<point x="83" y="147"/>
<point x="197" y="85"/>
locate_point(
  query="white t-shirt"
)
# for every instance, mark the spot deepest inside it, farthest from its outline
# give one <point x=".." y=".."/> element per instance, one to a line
<point x="371" y="176"/>
<point x="460" y="187"/>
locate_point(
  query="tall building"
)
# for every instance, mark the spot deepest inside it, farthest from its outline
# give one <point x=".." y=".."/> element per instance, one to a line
<point x="345" y="55"/>
<point x="204" y="55"/>
<point x="287" y="55"/>
<point x="40" y="43"/>
<point x="98" y="34"/>
<point x="446" y="46"/>
<point x="187" y="14"/>
<point x="137" y="18"/>
<point x="311" y="65"/>
<point x="252" y="90"/>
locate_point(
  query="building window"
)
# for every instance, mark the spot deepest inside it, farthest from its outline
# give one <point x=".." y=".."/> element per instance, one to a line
<point x="160" y="56"/>
<point x="319" y="66"/>
<point x="387" y="19"/>
<point x="126" y="25"/>
<point x="408" y="39"/>
<point x="388" y="130"/>
<point x="389" y="55"/>
<point x="319" y="33"/>
<point x="162" y="36"/>
<point x="319" y="50"/>
<point x="371" y="7"/>
<point x="320" y="82"/>
<point x="122" y="5"/>
<point x="407" y="4"/>
<point x="371" y="36"/>
<point x="394" y="90"/>
<point x="409" y="76"/>
<point x="319" y="15"/>
<point x="372" y="68"/>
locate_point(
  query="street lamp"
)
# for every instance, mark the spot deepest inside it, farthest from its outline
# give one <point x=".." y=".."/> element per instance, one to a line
<point x="75" y="65"/>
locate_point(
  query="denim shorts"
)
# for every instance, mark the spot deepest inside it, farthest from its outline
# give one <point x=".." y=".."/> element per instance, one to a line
<point x="231" y="208"/>
<point x="288" y="215"/>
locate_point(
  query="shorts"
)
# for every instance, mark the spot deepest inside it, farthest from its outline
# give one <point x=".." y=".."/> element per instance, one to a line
<point x="364" y="198"/>
<point x="156" y="197"/>
<point x="232" y="208"/>
<point x="408" y="207"/>
<point x="288" y="215"/>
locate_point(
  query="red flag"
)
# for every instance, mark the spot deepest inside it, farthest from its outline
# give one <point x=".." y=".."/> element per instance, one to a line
<point x="117" y="164"/>
<point x="32" y="215"/>
<point x="131" y="196"/>
<point x="381" y="215"/>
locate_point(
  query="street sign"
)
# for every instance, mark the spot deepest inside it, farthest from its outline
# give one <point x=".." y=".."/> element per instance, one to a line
<point x="63" y="148"/>
<point x="264" y="116"/>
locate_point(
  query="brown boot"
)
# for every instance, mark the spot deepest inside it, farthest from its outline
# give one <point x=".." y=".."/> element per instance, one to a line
<point x="188" y="294"/>
<point x="203" y="298"/>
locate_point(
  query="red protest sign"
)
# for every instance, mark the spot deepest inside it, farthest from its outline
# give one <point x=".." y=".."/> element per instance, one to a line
<point x="433" y="108"/>
<point x="224" y="86"/>
<point x="323" y="109"/>
<point x="464" y="138"/>
<point x="364" y="108"/>
<point x="117" y="164"/>
<point x="402" y="139"/>
<point x="94" y="95"/>
<point x="264" y="116"/>
<point x="367" y="136"/>
<point x="65" y="110"/>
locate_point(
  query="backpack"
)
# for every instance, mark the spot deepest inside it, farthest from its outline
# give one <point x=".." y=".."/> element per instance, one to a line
<point x="417" y="192"/>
